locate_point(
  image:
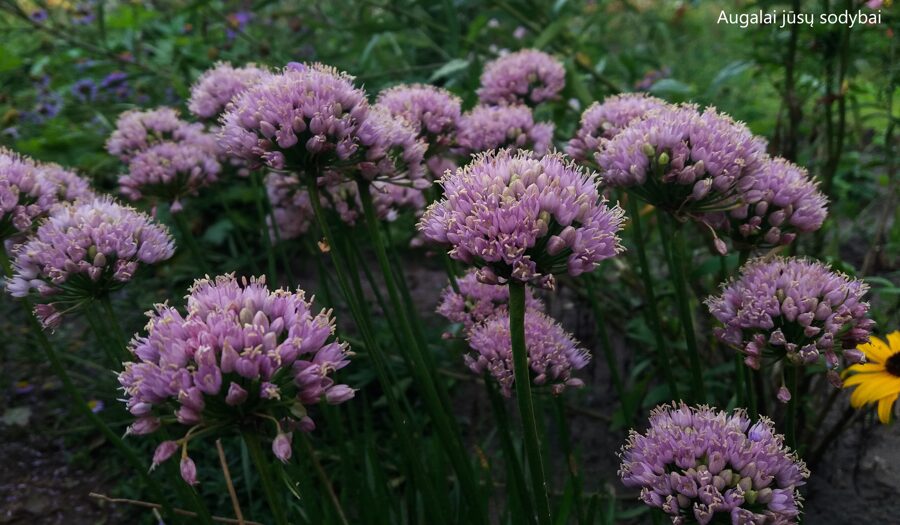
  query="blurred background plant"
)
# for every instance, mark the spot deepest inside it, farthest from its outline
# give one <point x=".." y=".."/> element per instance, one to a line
<point x="824" y="97"/>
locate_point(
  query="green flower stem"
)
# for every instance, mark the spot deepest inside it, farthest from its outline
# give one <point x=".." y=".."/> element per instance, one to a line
<point x="662" y="359"/>
<point x="74" y="395"/>
<point x="515" y="476"/>
<point x="187" y="236"/>
<point x="676" y="255"/>
<point x="263" y="468"/>
<point x="362" y="318"/>
<point x="323" y="478"/>
<point x="740" y="380"/>
<point x="186" y="492"/>
<point x="751" y="391"/>
<point x="525" y="401"/>
<point x="119" y="337"/>
<point x="571" y="461"/>
<point x="422" y="369"/>
<point x="239" y="236"/>
<point x="101" y="333"/>
<point x="606" y="348"/>
<point x="790" y="418"/>
<point x="260" y="198"/>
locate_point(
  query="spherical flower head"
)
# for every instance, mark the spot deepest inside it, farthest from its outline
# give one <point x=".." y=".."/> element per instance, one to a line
<point x="795" y="309"/>
<point x="681" y="160"/>
<point x="238" y="356"/>
<point x="432" y="111"/>
<point x="782" y="202"/>
<point x="701" y="465"/>
<point x="475" y="302"/>
<point x="528" y="76"/>
<point x="30" y="190"/>
<point x="171" y="171"/>
<point x="495" y="127"/>
<point x="389" y="150"/>
<point x="603" y="121"/>
<point x="138" y="130"/>
<point x="524" y="218"/>
<point x="83" y="251"/>
<point x="218" y="85"/>
<point x="552" y="352"/>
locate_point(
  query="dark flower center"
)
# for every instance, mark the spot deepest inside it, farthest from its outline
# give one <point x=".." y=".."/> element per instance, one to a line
<point x="892" y="365"/>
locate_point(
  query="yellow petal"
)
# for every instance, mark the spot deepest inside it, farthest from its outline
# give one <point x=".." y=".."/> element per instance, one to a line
<point x="885" y="405"/>
<point x="880" y="386"/>
<point x="876" y="350"/>
<point x="894" y="341"/>
<point x="858" y="379"/>
<point x="866" y="368"/>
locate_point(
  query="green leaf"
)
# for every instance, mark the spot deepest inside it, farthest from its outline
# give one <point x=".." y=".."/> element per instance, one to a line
<point x="668" y="87"/>
<point x="550" y="32"/>
<point x="449" y="69"/>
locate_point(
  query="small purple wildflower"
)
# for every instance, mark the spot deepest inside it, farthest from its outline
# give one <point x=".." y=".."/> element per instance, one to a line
<point x="84" y="90"/>
<point x="794" y="309"/>
<point x="218" y="86"/>
<point x="528" y="76"/>
<point x="603" y="121"/>
<point x="84" y="250"/>
<point x="700" y="465"/>
<point x="552" y="352"/>
<point x="485" y="128"/>
<point x="237" y="344"/>
<point x="524" y="218"/>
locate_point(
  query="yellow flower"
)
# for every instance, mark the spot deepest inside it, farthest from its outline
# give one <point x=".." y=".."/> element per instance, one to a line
<point x="877" y="380"/>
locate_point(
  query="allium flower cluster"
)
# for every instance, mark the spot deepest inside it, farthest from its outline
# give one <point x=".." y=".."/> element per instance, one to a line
<point x="552" y="352"/>
<point x="524" y="218"/>
<point x="603" y="121"/>
<point x="83" y="251"/>
<point x="172" y="170"/>
<point x="433" y="112"/>
<point x="700" y="465"/>
<point x="476" y="302"/>
<point x="138" y="130"/>
<point x="528" y="76"/>
<point x="485" y="128"/>
<point x="782" y="202"/>
<point x="218" y="85"/>
<point x="240" y="355"/>
<point x="313" y="114"/>
<point x="682" y="160"/>
<point x="796" y="309"/>
<point x="30" y="190"/>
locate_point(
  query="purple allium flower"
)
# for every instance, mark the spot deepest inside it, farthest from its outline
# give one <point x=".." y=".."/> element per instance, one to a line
<point x="681" y="160"/>
<point x="84" y="90"/>
<point x="30" y="190"/>
<point x="172" y="170"/>
<point x="524" y="218"/>
<point x="138" y="130"/>
<point x="314" y="115"/>
<point x="528" y="76"/>
<point x="291" y="206"/>
<point x="700" y="465"/>
<point x="477" y="301"/>
<point x="782" y="202"/>
<point x="552" y="352"/>
<point x="794" y="309"/>
<point x="218" y="86"/>
<point x="432" y="111"/>
<point x="188" y="470"/>
<point x="602" y="121"/>
<point x="281" y="446"/>
<point x="84" y="250"/>
<point x="266" y="353"/>
<point x="485" y="128"/>
<point x="163" y="451"/>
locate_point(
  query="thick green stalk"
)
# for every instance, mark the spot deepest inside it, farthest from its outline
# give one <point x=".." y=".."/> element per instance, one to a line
<point x="260" y="196"/>
<point x="439" y="409"/>
<point x="187" y="236"/>
<point x="662" y="359"/>
<point x="790" y="417"/>
<point x="515" y="476"/>
<point x="363" y="322"/>
<point x="606" y="348"/>
<point x="525" y="401"/>
<point x="101" y="333"/>
<point x="276" y="504"/>
<point x="751" y="393"/>
<point x="676" y="255"/>
<point x="112" y="320"/>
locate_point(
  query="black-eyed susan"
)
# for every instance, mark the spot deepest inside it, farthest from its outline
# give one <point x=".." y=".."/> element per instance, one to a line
<point x="877" y="380"/>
